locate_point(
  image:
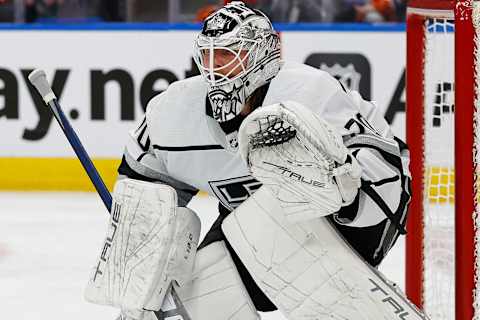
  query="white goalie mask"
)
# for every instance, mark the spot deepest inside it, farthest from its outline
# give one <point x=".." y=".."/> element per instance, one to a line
<point x="236" y="52"/>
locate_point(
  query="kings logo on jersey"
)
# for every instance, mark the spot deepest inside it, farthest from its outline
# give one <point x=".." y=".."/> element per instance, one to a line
<point x="232" y="192"/>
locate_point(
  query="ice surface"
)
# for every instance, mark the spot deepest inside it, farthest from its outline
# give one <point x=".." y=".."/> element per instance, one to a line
<point x="50" y="241"/>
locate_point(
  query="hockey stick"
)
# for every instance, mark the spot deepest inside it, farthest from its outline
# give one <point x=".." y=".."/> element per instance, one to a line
<point x="38" y="79"/>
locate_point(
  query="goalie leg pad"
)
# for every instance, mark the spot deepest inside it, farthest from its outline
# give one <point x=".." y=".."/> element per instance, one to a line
<point x="307" y="269"/>
<point x="216" y="291"/>
<point x="150" y="242"/>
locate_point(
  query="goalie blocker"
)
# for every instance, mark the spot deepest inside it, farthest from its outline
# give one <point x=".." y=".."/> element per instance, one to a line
<point x="150" y="243"/>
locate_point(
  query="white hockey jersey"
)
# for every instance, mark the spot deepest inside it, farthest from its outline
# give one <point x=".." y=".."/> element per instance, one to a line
<point x="179" y="144"/>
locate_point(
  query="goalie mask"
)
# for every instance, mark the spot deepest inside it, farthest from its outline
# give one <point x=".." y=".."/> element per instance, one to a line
<point x="236" y="52"/>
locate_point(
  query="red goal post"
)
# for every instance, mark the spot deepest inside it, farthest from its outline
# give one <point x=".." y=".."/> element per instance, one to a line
<point x="465" y="150"/>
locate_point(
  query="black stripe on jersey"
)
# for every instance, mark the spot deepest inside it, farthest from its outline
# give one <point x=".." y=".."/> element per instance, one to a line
<point x="126" y="170"/>
<point x="390" y="158"/>
<point x="341" y="85"/>
<point x="140" y="133"/>
<point x="189" y="148"/>
<point x="386" y="180"/>
<point x="141" y="156"/>
<point x="394" y="217"/>
<point x="141" y="124"/>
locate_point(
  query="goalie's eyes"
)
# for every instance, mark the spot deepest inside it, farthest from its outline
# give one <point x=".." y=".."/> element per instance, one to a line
<point x="221" y="57"/>
<point x="224" y="61"/>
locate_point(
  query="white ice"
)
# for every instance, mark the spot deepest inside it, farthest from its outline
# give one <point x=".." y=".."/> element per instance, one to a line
<point x="50" y="241"/>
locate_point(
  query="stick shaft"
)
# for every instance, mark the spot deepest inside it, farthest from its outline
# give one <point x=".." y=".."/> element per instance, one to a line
<point x="81" y="154"/>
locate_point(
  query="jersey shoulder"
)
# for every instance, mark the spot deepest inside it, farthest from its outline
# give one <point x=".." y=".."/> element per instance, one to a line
<point x="176" y="116"/>
<point x="307" y="85"/>
<point x="308" y="75"/>
<point x="179" y="96"/>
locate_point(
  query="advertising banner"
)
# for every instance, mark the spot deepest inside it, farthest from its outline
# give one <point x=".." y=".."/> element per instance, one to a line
<point x="105" y="78"/>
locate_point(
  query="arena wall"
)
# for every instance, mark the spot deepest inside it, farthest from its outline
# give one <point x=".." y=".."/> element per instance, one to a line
<point x="104" y="76"/>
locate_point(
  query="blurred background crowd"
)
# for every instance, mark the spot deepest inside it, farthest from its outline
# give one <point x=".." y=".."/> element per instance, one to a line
<point x="173" y="11"/>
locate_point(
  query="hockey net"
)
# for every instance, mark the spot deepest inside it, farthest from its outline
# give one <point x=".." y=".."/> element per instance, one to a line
<point x="441" y="132"/>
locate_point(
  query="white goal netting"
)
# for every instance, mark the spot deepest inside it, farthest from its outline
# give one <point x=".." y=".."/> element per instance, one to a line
<point x="439" y="189"/>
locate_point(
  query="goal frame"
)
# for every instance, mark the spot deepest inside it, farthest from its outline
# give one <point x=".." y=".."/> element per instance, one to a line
<point x="465" y="97"/>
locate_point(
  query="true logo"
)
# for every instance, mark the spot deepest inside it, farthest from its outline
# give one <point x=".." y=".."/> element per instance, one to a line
<point x="398" y="309"/>
<point x="296" y="176"/>
<point x="109" y="240"/>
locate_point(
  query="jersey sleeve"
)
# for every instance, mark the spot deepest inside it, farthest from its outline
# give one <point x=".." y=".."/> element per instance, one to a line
<point x="141" y="162"/>
<point x="385" y="189"/>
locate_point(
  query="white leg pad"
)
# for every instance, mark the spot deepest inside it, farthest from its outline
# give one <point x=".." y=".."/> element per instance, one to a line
<point x="307" y="269"/>
<point x="150" y="243"/>
<point x="216" y="291"/>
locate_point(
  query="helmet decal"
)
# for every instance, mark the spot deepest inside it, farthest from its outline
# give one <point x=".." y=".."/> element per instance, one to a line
<point x="218" y="25"/>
